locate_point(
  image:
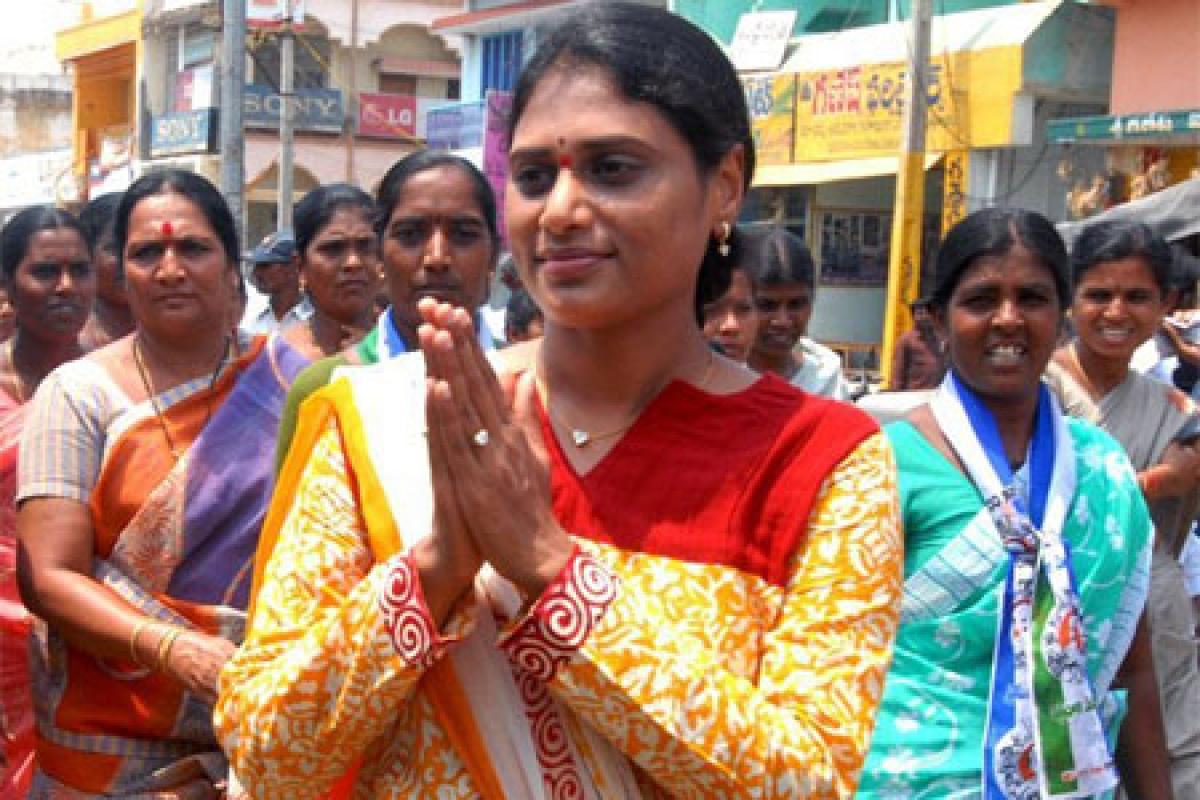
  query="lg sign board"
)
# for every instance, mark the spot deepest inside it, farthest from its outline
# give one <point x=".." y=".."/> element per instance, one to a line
<point x="387" y="116"/>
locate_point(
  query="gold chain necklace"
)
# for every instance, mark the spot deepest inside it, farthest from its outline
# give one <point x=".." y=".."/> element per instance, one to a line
<point x="140" y="361"/>
<point x="582" y="437"/>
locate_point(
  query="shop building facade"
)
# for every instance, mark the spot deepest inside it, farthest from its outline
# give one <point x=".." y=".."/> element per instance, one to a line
<point x="365" y="73"/>
<point x="1148" y="142"/>
<point x="828" y="122"/>
<point x="103" y="53"/>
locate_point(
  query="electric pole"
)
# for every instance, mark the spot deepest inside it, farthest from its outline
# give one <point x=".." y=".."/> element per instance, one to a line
<point x="233" y="82"/>
<point x="904" y="256"/>
<point x="352" y="102"/>
<point x="287" y="71"/>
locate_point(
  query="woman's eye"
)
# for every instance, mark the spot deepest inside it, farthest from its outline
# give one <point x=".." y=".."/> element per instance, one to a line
<point x="409" y="235"/>
<point x="979" y="302"/>
<point x="193" y="248"/>
<point x="145" y="255"/>
<point x="465" y="233"/>
<point x="44" y="272"/>
<point x="81" y="270"/>
<point x="1035" y="299"/>
<point x="613" y="170"/>
<point x="333" y="251"/>
<point x="534" y="180"/>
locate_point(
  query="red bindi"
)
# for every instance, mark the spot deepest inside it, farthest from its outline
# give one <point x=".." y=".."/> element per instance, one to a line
<point x="168" y="230"/>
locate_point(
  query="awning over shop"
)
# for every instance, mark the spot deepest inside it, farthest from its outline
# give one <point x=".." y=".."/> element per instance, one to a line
<point x="1174" y="213"/>
<point x="817" y="172"/>
<point x="949" y="33"/>
<point x="840" y="96"/>
<point x="96" y="35"/>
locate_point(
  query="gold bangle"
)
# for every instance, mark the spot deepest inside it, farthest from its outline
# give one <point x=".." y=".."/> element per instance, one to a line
<point x="138" y="630"/>
<point x="179" y="632"/>
<point x="164" y="646"/>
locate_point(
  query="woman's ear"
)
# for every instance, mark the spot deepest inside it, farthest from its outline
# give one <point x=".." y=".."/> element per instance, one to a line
<point x="728" y="185"/>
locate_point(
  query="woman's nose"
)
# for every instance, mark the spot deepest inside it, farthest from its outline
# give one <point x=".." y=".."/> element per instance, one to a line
<point x="563" y="203"/>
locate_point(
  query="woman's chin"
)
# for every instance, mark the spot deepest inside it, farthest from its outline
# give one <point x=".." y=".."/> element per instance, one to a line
<point x="1112" y="353"/>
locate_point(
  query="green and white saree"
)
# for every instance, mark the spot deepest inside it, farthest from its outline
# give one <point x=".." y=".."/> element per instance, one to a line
<point x="930" y="732"/>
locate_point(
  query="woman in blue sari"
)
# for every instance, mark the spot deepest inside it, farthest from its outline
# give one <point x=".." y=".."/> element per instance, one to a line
<point x="1027" y="558"/>
<point x="144" y="476"/>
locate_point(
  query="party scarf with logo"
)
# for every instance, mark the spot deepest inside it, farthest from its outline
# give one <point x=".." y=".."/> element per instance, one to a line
<point x="1044" y="734"/>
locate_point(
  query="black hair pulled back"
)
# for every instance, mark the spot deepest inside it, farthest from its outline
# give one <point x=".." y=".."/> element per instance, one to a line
<point x="317" y="209"/>
<point x="1102" y="242"/>
<point x="995" y="232"/>
<point x="19" y="232"/>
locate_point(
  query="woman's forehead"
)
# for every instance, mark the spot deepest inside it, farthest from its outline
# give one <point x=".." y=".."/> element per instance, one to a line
<point x="574" y="105"/>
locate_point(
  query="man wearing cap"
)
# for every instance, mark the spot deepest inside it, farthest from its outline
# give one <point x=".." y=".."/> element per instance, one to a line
<point x="275" y="272"/>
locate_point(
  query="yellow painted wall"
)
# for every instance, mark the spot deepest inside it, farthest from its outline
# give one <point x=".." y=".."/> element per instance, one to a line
<point x="98" y="35"/>
<point x="105" y="53"/>
<point x="106" y="101"/>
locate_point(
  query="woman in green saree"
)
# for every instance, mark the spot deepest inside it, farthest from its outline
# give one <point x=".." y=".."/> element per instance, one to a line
<point x="1027" y="557"/>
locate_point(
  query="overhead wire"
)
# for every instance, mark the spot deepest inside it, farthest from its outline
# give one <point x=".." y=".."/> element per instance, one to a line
<point x="327" y="68"/>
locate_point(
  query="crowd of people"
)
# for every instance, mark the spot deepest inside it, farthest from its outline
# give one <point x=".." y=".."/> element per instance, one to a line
<point x="354" y="546"/>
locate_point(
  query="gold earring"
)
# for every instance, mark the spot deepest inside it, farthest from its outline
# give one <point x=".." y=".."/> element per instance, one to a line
<point x="723" y="239"/>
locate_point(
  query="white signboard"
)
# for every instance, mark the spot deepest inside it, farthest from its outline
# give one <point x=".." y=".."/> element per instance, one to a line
<point x="273" y="13"/>
<point x="760" y="41"/>
<point x="180" y="5"/>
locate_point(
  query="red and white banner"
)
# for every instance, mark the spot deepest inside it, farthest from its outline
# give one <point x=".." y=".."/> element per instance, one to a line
<point x="387" y="116"/>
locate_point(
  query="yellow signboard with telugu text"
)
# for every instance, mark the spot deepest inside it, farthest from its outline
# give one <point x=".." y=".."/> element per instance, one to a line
<point x="858" y="111"/>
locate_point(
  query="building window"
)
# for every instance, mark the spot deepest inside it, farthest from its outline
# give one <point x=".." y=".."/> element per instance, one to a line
<point x="191" y="74"/>
<point x="312" y="55"/>
<point x="769" y="208"/>
<point x="501" y="61"/>
<point x="197" y="46"/>
<point x="397" y="84"/>
<point x="453" y="89"/>
<point x="854" y="247"/>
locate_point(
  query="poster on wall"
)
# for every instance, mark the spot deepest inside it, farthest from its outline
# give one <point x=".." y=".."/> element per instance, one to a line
<point x="477" y="131"/>
<point x="858" y="112"/>
<point x="495" y="150"/>
<point x="771" y="100"/>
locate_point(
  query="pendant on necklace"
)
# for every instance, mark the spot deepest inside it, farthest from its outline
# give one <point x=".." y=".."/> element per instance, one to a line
<point x="581" y="438"/>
